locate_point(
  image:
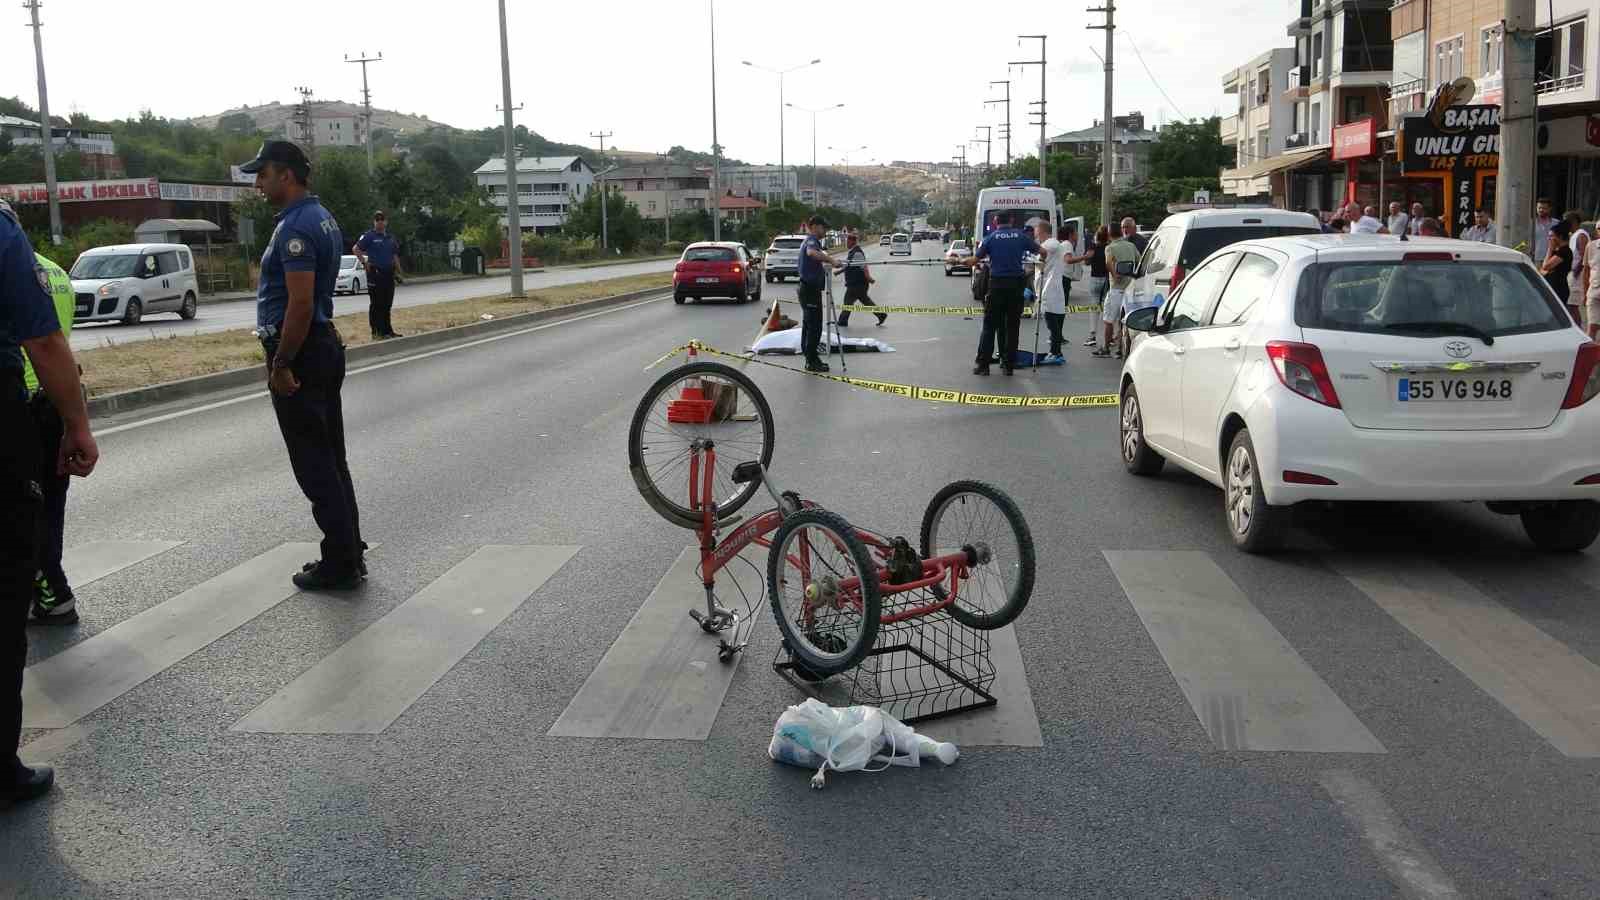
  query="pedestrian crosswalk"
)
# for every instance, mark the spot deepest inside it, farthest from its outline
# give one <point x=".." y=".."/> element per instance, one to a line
<point x="1248" y="686"/>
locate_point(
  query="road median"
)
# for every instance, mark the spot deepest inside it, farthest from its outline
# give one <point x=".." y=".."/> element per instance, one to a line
<point x="123" y="378"/>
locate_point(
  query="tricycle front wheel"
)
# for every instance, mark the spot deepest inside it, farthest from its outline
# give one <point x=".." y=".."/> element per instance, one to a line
<point x="982" y="519"/>
<point x="824" y="588"/>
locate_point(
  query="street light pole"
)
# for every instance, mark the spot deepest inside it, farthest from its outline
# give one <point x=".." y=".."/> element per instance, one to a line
<point x="513" y="211"/>
<point x="1043" y="68"/>
<point x="44" y="125"/>
<point x="814" y="112"/>
<point x="602" y="135"/>
<point x="783" y="166"/>
<point x="1107" y="170"/>
<point x="716" y="148"/>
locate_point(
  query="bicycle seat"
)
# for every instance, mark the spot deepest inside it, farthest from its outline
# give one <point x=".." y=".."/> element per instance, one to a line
<point x="747" y="472"/>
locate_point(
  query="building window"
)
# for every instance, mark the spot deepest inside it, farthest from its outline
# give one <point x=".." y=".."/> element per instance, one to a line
<point x="1447" y="60"/>
<point x="1316" y="55"/>
<point x="1124" y="163"/>
<point x="1559" y="56"/>
<point x="1354" y="107"/>
<point x="1316" y="123"/>
<point x="1491" y="52"/>
<point x="1263" y="146"/>
<point x="652" y="206"/>
<point x="1263" y="86"/>
<point x="1300" y="118"/>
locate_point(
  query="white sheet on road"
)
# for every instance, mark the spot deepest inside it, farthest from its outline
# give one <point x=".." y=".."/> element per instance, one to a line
<point x="788" y="341"/>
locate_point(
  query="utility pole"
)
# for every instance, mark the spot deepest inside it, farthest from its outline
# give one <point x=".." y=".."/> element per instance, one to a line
<point x="1515" y="185"/>
<point x="604" y="237"/>
<point x="988" y="145"/>
<point x="44" y="126"/>
<point x="302" y="115"/>
<point x="1040" y="62"/>
<point x="366" y="98"/>
<point x="1107" y="169"/>
<point x="513" y="210"/>
<point x="1007" y="101"/>
<point x="716" y="148"/>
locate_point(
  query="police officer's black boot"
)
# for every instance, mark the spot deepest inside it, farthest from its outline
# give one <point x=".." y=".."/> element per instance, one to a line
<point x="321" y="576"/>
<point x="24" y="784"/>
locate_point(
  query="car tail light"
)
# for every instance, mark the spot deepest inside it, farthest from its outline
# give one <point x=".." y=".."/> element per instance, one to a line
<point x="1585" y="377"/>
<point x="678" y="267"/>
<point x="1429" y="256"/>
<point x="1589" y="479"/>
<point x="1301" y="369"/>
<point x="1290" y="476"/>
<point x="736" y="269"/>
<point x="1177" y="277"/>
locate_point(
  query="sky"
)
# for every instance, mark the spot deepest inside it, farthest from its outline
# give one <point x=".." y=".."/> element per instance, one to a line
<point x="913" y="76"/>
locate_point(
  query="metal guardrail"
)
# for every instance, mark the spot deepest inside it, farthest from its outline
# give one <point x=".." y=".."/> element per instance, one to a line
<point x="1553" y="85"/>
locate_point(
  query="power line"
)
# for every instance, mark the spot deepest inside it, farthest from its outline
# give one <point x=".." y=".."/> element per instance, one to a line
<point x="1152" y="75"/>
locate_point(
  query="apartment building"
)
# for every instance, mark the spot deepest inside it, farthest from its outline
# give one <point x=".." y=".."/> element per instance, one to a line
<point x="1130" y="151"/>
<point x="547" y="188"/>
<point x="658" y="190"/>
<point x="771" y="183"/>
<point x="1261" y="128"/>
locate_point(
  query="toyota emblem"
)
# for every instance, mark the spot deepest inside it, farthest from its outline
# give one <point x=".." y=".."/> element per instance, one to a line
<point x="1458" y="349"/>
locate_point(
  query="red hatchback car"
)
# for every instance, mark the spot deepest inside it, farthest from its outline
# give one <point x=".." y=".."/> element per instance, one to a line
<point x="717" y="269"/>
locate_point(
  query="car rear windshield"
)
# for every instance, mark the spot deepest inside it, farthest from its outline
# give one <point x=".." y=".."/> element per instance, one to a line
<point x="1427" y="297"/>
<point x="1200" y="243"/>
<point x="900" y="239"/>
<point x="709" y="254"/>
<point x="959" y="245"/>
<point x="118" y="265"/>
<point x="787" y="244"/>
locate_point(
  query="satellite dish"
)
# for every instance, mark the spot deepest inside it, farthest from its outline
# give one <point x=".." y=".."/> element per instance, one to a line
<point x="1463" y="89"/>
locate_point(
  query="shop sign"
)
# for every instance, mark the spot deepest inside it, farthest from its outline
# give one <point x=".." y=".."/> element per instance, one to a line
<point x="82" y="191"/>
<point x="1356" y="140"/>
<point x="215" y="193"/>
<point x="1457" y="142"/>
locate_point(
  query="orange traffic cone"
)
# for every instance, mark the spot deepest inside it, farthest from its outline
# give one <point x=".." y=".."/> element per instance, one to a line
<point x="773" y="323"/>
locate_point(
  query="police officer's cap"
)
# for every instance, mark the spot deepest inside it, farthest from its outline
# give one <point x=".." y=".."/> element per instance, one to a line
<point x="284" y="153"/>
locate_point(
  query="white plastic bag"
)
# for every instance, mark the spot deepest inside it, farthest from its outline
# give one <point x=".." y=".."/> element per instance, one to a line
<point x="813" y="734"/>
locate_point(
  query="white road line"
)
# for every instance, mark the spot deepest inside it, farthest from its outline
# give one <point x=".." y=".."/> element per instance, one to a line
<point x="1248" y="687"/>
<point x="257" y="395"/>
<point x="661" y="678"/>
<point x="86" y="676"/>
<point x="1410" y="866"/>
<point x="52" y="745"/>
<point x="88" y="563"/>
<point x="1552" y="689"/>
<point x="372" y="679"/>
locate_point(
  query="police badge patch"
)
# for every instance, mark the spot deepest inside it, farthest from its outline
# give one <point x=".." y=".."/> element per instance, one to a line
<point x="295" y="247"/>
<point x="43" y="276"/>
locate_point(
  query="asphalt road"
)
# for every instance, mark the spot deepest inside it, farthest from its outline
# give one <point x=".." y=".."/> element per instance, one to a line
<point x="1432" y="762"/>
<point x="241" y="314"/>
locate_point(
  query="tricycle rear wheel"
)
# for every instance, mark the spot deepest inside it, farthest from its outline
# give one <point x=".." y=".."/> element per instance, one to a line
<point x="980" y="516"/>
<point x="827" y="626"/>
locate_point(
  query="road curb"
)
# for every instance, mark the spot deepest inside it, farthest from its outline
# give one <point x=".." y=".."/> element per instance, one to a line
<point x="200" y="385"/>
<point x="236" y="296"/>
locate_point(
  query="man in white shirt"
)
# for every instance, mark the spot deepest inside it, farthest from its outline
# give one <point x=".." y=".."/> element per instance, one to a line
<point x="1368" y="222"/>
<point x="1414" y="226"/>
<point x="1482" y="230"/>
<point x="1398" y="220"/>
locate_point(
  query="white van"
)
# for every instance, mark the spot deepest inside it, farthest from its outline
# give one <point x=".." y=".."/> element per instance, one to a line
<point x="1026" y="197"/>
<point x="1186" y="238"/>
<point x="125" y="282"/>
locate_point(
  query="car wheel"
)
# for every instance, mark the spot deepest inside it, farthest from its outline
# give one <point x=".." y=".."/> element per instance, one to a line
<point x="190" y="307"/>
<point x="355" y="286"/>
<point x="769" y="279"/>
<point x="1254" y="526"/>
<point x="133" y="313"/>
<point x="1565" y="526"/>
<point x="1137" y="455"/>
<point x="742" y="297"/>
<point x="756" y="297"/>
<point x="678" y="299"/>
<point x="947" y="272"/>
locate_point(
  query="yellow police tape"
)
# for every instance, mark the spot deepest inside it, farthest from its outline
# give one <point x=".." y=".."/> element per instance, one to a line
<point x="933" y="310"/>
<point x="916" y="391"/>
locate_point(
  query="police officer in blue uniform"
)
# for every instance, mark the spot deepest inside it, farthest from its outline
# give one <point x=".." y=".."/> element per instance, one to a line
<point x="380" y="256"/>
<point x="27" y="321"/>
<point x="814" y="265"/>
<point x="305" y="358"/>
<point x="1004" y="248"/>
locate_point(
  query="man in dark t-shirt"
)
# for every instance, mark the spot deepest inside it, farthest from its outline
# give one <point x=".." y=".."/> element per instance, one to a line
<point x="856" y="279"/>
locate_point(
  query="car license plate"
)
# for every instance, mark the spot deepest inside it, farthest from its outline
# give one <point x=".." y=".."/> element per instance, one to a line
<point x="711" y="280"/>
<point x="83" y="309"/>
<point x="1439" y="390"/>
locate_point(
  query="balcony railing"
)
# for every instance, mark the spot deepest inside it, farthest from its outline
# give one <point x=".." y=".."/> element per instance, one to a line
<point x="1555" y="85"/>
<point x="1297" y="140"/>
<point x="1359" y="58"/>
<point x="1299" y="76"/>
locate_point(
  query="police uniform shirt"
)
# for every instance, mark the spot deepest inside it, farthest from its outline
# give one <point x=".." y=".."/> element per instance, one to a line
<point x="26" y="311"/>
<point x="380" y="247"/>
<point x="306" y="239"/>
<point x="61" y="294"/>
<point x="1005" y="249"/>
<point x="811" y="269"/>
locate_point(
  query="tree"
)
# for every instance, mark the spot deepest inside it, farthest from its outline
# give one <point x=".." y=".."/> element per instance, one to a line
<point x="1191" y="149"/>
<point x="881" y="219"/>
<point x="624" y="226"/>
<point x="237" y="123"/>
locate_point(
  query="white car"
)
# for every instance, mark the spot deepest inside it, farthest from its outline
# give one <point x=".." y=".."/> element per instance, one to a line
<point x="1186" y="238"/>
<point x="783" y="257"/>
<point x="900" y="245"/>
<point x="122" y="283"/>
<point x="1352" y="367"/>
<point x="351" y="278"/>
